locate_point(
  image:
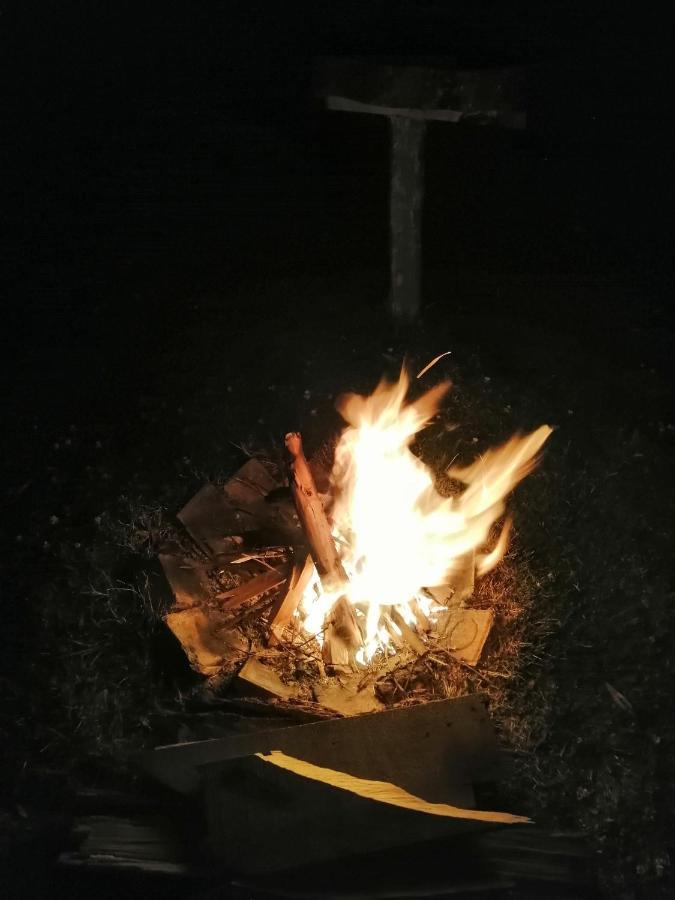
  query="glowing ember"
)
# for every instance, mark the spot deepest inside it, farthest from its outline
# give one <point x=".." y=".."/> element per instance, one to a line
<point x="395" y="533"/>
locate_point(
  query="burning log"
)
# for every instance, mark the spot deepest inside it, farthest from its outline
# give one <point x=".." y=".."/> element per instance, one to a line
<point x="313" y="518"/>
<point x="342" y="635"/>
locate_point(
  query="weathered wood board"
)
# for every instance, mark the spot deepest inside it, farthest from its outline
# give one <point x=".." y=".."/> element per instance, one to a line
<point x="262" y="818"/>
<point x="436" y="750"/>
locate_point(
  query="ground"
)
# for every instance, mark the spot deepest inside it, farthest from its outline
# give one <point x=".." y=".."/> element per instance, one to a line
<point x="88" y="666"/>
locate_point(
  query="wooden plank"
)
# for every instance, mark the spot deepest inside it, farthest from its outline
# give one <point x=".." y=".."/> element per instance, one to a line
<point x="518" y="861"/>
<point x="436" y="750"/>
<point x="313" y="821"/>
<point x="440" y="92"/>
<point x="213" y="522"/>
<point x="217" y="517"/>
<point x="465" y="631"/>
<point x="252" y="483"/>
<point x="254" y="587"/>
<point x="385" y="792"/>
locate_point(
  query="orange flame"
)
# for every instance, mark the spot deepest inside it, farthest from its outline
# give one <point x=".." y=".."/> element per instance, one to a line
<point x="395" y="533"/>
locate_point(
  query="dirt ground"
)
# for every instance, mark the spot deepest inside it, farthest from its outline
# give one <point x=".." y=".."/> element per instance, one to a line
<point x="87" y="667"/>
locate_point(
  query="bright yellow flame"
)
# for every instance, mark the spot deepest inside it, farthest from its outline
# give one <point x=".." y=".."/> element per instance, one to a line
<point x="396" y="534"/>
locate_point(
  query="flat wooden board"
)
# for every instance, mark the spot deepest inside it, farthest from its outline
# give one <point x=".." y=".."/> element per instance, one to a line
<point x="262" y="818"/>
<point x="212" y="520"/>
<point x="436" y="750"/>
<point x="466" y="631"/>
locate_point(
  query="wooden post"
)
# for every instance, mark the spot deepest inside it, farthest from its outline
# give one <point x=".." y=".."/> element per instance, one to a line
<point x="410" y="96"/>
<point x="405" y="210"/>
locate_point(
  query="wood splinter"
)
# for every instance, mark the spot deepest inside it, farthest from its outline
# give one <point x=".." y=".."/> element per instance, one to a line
<point x="342" y="636"/>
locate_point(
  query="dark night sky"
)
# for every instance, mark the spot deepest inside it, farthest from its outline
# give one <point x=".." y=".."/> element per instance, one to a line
<point x="140" y="131"/>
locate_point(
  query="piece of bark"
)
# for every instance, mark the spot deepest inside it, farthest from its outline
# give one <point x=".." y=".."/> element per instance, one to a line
<point x="254" y="587"/>
<point x="283" y="609"/>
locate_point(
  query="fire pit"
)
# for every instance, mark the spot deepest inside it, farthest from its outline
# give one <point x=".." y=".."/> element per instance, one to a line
<point x="347" y="594"/>
<point x="343" y="585"/>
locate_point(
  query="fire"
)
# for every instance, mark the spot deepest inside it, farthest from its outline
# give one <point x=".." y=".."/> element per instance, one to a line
<point x="396" y="535"/>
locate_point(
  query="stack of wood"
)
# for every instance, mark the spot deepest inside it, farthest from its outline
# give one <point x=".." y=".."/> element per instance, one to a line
<point x="399" y="803"/>
<point x="236" y="595"/>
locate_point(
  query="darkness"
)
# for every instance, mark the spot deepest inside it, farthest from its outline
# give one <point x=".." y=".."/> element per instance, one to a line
<point x="172" y="141"/>
<point x="168" y="166"/>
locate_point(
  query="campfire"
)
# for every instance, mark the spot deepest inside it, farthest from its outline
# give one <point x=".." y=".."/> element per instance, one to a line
<point x="325" y="601"/>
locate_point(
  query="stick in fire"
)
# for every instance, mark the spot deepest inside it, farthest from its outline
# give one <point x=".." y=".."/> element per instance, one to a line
<point x="342" y="635"/>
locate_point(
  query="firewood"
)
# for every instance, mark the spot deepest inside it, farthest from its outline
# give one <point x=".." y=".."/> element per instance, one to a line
<point x="342" y="635"/>
<point x="407" y="633"/>
<point x="256" y="586"/>
<point x="283" y="609"/>
<point x="256" y="673"/>
<point x="313" y="518"/>
<point x="396" y="638"/>
<point x="422" y="621"/>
